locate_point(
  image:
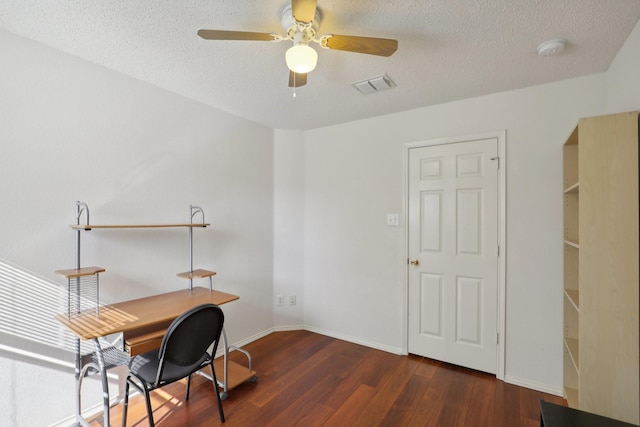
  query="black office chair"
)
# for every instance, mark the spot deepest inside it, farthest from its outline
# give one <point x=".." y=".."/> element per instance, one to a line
<point x="184" y="351"/>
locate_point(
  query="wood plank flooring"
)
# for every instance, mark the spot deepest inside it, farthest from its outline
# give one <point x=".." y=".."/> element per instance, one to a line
<point x="307" y="379"/>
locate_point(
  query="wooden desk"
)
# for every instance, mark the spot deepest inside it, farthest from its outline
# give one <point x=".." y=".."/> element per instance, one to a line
<point x="142" y="322"/>
<point x="138" y="314"/>
<point x="552" y="415"/>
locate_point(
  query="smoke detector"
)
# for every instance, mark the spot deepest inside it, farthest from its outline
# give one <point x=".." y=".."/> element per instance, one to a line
<point x="551" y="47"/>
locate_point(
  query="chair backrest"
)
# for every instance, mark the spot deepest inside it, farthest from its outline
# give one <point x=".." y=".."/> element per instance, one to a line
<point x="191" y="334"/>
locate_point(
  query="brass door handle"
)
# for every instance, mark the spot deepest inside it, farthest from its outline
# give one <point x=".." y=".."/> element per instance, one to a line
<point x="414" y="262"/>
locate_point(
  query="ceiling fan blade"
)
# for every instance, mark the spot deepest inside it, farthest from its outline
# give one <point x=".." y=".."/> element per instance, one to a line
<point x="368" y="45"/>
<point x="303" y="10"/>
<point x="297" y="79"/>
<point x="235" y="35"/>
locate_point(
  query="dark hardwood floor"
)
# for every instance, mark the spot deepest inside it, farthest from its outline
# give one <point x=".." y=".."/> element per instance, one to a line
<point x="306" y="379"/>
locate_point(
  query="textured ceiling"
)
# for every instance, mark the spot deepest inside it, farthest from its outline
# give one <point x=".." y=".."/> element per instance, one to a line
<point x="447" y="49"/>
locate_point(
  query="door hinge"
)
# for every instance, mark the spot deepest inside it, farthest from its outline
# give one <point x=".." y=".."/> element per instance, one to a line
<point x="498" y="250"/>
<point x="497" y="337"/>
<point x="498" y="159"/>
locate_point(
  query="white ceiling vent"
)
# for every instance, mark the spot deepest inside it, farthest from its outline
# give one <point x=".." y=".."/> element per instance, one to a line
<point x="374" y="84"/>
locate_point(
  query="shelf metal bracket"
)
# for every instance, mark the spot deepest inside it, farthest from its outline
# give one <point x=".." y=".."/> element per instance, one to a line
<point x="193" y="210"/>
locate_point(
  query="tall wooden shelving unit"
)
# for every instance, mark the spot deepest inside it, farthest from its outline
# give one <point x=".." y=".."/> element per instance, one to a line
<point x="571" y="187"/>
<point x="601" y="267"/>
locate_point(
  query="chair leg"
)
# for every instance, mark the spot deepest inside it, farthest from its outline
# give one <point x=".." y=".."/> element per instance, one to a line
<point x="142" y="387"/>
<point x="149" y="411"/>
<point x="188" y="387"/>
<point x="125" y="405"/>
<point x="215" y="389"/>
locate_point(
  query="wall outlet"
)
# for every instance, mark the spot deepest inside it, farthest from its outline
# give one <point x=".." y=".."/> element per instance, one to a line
<point x="280" y="300"/>
<point x="292" y="300"/>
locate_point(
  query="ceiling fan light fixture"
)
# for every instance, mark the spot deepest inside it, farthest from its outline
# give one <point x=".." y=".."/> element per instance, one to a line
<point x="301" y="58"/>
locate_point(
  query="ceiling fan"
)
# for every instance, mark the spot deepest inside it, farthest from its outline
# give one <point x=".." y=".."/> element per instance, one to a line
<point x="301" y="20"/>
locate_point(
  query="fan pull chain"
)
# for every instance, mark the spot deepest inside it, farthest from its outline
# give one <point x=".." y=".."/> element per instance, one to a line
<point x="294" y="85"/>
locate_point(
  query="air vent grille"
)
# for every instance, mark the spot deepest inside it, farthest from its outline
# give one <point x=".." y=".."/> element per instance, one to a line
<point x="374" y="84"/>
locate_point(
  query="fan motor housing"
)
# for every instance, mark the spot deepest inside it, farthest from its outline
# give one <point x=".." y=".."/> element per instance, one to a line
<point x="291" y="26"/>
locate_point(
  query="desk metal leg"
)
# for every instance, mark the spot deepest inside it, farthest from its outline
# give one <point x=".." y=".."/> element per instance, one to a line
<point x="239" y="373"/>
<point x="225" y="376"/>
<point x="224" y="381"/>
<point x="79" y="418"/>
<point x="80" y="373"/>
<point x="105" y="381"/>
<point x="101" y="360"/>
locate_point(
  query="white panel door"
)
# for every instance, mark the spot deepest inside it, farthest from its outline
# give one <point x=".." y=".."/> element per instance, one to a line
<point x="453" y="248"/>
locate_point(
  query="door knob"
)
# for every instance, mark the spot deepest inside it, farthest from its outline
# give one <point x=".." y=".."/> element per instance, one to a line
<point x="414" y="262"/>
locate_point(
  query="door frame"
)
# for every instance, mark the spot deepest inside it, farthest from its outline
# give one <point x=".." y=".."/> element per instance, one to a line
<point x="501" y="137"/>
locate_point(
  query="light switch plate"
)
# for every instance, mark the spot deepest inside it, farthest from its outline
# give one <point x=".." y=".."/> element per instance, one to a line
<point x="393" y="219"/>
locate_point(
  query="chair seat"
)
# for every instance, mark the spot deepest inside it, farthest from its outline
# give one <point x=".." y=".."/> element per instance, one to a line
<point x="145" y="366"/>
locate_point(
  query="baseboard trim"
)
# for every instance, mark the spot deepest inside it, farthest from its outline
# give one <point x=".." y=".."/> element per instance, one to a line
<point x="340" y="336"/>
<point x="533" y="385"/>
<point x="242" y="343"/>
<point x="254" y="337"/>
<point x="349" y="338"/>
<point x="289" y="328"/>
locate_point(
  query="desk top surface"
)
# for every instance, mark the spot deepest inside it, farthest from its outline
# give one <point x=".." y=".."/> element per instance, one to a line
<point x="139" y="313"/>
<point x="561" y="416"/>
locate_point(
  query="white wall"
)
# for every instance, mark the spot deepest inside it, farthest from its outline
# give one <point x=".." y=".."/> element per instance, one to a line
<point x="288" y="228"/>
<point x="623" y="76"/>
<point x="72" y="130"/>
<point x="354" y="280"/>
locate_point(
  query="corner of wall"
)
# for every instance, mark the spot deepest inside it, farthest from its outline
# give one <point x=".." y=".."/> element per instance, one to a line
<point x="288" y="227"/>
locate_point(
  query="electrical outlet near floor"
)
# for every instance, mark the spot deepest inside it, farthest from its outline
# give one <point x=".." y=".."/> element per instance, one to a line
<point x="292" y="300"/>
<point x="280" y="300"/>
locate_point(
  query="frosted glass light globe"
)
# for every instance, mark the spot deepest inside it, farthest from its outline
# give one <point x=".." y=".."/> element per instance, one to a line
<point x="301" y="58"/>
